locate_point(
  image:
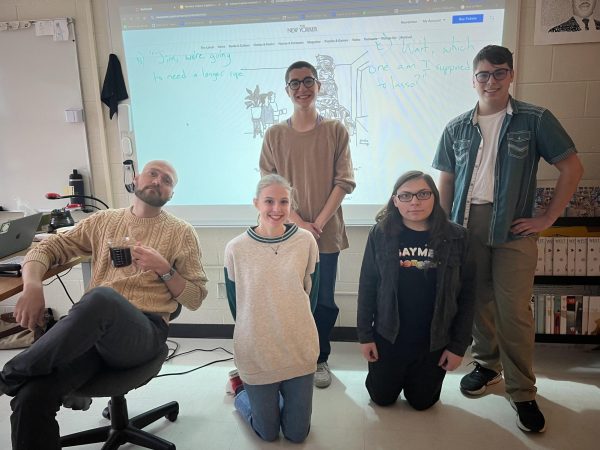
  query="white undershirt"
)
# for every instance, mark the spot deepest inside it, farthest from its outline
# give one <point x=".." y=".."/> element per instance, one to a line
<point x="483" y="188"/>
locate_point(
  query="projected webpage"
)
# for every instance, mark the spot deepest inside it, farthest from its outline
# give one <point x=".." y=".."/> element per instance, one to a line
<point x="203" y="96"/>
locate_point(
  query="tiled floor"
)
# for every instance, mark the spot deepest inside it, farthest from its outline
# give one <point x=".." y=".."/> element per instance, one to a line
<point x="343" y="417"/>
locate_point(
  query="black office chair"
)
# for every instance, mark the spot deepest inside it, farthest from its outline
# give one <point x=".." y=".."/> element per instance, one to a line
<point x="115" y="383"/>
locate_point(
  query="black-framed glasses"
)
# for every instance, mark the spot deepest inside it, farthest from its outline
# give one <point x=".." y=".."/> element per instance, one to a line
<point x="406" y="197"/>
<point x="309" y="82"/>
<point x="498" y="74"/>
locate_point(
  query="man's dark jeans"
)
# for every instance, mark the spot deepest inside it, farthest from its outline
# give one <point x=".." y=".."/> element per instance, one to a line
<point x="103" y="328"/>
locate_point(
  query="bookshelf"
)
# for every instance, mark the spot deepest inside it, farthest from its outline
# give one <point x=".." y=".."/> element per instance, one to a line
<point x="593" y="225"/>
<point x="590" y="222"/>
<point x="564" y="280"/>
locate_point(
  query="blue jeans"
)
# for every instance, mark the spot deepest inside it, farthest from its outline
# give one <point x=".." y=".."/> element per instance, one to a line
<point x="286" y="404"/>
<point x="326" y="312"/>
<point x="103" y="328"/>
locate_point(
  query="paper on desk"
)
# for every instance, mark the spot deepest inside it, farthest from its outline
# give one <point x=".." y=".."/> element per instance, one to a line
<point x="41" y="237"/>
<point x="64" y="229"/>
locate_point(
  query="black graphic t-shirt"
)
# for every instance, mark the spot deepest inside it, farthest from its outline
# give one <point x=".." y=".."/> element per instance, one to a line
<point x="416" y="287"/>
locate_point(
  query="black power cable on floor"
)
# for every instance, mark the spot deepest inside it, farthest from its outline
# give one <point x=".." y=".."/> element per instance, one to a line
<point x="54" y="279"/>
<point x="174" y="355"/>
<point x="172" y="351"/>
<point x="65" y="288"/>
<point x="194" y="369"/>
<point x="58" y="277"/>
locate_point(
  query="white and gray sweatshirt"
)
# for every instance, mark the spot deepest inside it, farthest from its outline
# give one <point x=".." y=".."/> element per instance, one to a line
<point x="272" y="285"/>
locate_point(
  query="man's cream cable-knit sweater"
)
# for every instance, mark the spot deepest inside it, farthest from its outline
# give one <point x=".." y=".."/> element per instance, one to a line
<point x="173" y="238"/>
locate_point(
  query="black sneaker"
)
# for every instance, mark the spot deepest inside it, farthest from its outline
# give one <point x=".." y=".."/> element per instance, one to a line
<point x="529" y="416"/>
<point x="476" y="382"/>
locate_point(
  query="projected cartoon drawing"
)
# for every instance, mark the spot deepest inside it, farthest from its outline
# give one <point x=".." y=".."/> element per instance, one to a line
<point x="264" y="111"/>
<point x="254" y="102"/>
<point x="328" y="100"/>
<point x="270" y="112"/>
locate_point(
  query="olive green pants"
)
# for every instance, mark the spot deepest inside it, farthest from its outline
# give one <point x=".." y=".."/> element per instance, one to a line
<point x="503" y="327"/>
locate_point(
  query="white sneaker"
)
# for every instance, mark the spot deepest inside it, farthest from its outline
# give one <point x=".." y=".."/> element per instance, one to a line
<point x="322" y="375"/>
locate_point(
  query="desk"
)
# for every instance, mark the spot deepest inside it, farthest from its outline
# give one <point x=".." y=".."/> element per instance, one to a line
<point x="10" y="286"/>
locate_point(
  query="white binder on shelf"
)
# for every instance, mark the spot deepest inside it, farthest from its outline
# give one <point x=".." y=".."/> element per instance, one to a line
<point x="548" y="256"/>
<point x="571" y="247"/>
<point x="541" y="248"/>
<point x="580" y="257"/>
<point x="559" y="256"/>
<point x="593" y="256"/>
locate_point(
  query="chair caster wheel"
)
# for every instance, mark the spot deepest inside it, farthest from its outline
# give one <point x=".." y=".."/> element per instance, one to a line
<point x="106" y="411"/>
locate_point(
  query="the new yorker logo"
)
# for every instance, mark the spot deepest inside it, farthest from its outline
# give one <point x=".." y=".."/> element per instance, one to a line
<point x="302" y="29"/>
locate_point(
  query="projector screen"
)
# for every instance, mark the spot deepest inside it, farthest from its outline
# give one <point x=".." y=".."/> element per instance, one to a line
<point x="206" y="79"/>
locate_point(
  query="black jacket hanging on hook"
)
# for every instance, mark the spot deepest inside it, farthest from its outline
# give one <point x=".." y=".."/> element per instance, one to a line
<point x="113" y="89"/>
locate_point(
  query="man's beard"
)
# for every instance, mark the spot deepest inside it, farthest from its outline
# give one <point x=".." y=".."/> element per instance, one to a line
<point x="152" y="199"/>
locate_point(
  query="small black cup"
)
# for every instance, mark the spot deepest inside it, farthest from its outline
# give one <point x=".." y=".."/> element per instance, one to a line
<point x="120" y="256"/>
<point x="120" y="251"/>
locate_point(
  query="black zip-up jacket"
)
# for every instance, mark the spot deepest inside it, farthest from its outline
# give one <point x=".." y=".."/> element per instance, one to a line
<point x="454" y="302"/>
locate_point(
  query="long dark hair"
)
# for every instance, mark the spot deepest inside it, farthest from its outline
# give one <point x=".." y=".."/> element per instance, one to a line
<point x="390" y="219"/>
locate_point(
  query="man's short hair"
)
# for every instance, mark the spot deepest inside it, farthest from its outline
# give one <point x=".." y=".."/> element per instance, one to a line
<point x="495" y="54"/>
<point x="300" y="65"/>
<point x="165" y="164"/>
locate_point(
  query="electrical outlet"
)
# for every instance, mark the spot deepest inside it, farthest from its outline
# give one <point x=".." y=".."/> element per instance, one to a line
<point x="221" y="290"/>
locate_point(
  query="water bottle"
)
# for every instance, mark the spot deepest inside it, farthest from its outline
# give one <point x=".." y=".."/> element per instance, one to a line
<point x="76" y="184"/>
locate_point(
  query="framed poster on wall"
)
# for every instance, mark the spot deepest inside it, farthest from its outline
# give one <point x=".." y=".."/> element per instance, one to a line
<point x="566" y="21"/>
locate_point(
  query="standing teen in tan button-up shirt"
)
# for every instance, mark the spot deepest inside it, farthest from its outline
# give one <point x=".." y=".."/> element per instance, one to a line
<point x="313" y="154"/>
